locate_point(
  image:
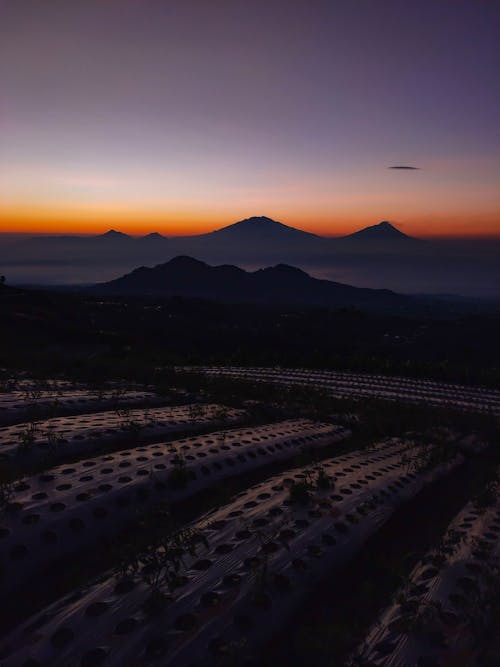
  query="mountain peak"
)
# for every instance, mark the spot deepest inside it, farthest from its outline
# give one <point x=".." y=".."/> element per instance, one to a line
<point x="152" y="236"/>
<point x="260" y="219"/>
<point x="259" y="227"/>
<point x="185" y="261"/>
<point x="383" y="231"/>
<point x="288" y="269"/>
<point x="113" y="234"/>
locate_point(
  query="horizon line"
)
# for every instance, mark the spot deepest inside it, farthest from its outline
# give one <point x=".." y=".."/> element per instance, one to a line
<point x="143" y="234"/>
<point x="169" y="226"/>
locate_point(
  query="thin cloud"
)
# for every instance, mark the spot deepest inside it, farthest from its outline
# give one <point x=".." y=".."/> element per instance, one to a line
<point x="404" y="166"/>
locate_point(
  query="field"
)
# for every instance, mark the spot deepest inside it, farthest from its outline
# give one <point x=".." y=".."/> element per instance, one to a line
<point x="258" y="516"/>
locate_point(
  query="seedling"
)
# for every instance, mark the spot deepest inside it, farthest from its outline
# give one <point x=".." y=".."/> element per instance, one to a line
<point x="54" y="440"/>
<point x="116" y="397"/>
<point x="301" y="493"/>
<point x="195" y="412"/>
<point x="161" y="563"/>
<point x="180" y="474"/>
<point x="221" y="437"/>
<point x="27" y="437"/>
<point x="221" y="414"/>
<point x="33" y="393"/>
<point x="323" y="481"/>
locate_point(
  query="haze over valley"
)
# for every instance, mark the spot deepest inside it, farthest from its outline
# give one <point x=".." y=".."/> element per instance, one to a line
<point x="379" y="256"/>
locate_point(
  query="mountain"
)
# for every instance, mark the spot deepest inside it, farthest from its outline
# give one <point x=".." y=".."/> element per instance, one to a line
<point x="280" y="284"/>
<point x="384" y="231"/>
<point x="379" y="256"/>
<point x="259" y="228"/>
<point x="153" y="236"/>
<point x="112" y="235"/>
<point x="181" y="276"/>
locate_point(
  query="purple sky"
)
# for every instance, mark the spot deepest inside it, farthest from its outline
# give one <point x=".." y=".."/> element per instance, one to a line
<point x="182" y="115"/>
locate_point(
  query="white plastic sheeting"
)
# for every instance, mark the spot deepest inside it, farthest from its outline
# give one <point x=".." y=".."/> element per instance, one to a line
<point x="438" y="615"/>
<point x="265" y="553"/>
<point x="17" y="406"/>
<point x="63" y="437"/>
<point x="73" y="507"/>
<point x="357" y="385"/>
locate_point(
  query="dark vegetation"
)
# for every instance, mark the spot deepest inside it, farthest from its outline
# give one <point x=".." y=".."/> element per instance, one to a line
<point x="94" y="338"/>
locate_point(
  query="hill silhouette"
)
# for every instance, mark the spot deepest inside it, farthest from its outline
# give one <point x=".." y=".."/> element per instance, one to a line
<point x="283" y="284"/>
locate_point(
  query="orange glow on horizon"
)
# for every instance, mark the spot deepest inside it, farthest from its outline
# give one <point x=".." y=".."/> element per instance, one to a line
<point x="184" y="224"/>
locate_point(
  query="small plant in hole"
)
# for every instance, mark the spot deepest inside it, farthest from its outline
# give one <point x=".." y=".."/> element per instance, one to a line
<point x="160" y="564"/>
<point x="33" y="393"/>
<point x="221" y="437"/>
<point x="301" y="493"/>
<point x="27" y="437"/>
<point x="450" y="542"/>
<point x="195" y="412"/>
<point x="323" y="481"/>
<point x="147" y="417"/>
<point x="180" y="475"/>
<point x="221" y="414"/>
<point x="54" y="440"/>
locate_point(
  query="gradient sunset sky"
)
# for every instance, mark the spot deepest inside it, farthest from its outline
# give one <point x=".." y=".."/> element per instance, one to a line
<point x="182" y="116"/>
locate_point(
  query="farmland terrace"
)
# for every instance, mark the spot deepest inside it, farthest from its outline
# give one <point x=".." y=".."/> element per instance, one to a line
<point x="357" y="385"/>
<point x="147" y="530"/>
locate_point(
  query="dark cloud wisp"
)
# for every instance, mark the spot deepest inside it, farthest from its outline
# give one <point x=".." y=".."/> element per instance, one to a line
<point x="403" y="166"/>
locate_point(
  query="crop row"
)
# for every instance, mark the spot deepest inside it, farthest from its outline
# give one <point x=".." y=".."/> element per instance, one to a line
<point x="60" y="437"/>
<point x="55" y="514"/>
<point x="363" y="378"/>
<point x="445" y="612"/>
<point x="224" y="584"/>
<point x="17" y="406"/>
<point x="345" y="385"/>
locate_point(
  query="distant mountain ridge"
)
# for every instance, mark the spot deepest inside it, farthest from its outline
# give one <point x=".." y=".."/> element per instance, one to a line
<point x="257" y="227"/>
<point x="378" y="256"/>
<point x="253" y="229"/>
<point x="281" y="284"/>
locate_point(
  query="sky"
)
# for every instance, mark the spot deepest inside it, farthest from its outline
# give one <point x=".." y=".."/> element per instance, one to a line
<point x="182" y="116"/>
